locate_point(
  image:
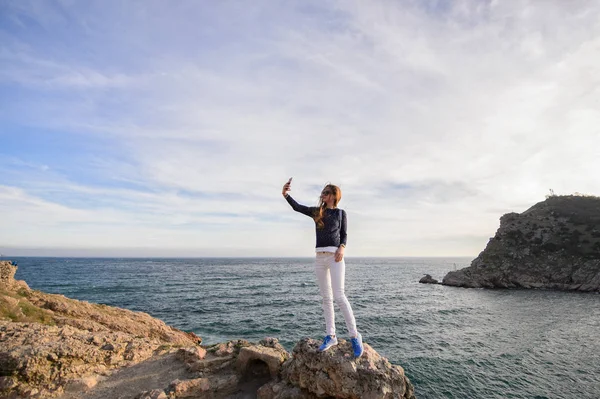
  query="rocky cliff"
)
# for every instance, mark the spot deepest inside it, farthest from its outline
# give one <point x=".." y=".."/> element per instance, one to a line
<point x="555" y="244"/>
<point x="49" y="343"/>
<point x="53" y="346"/>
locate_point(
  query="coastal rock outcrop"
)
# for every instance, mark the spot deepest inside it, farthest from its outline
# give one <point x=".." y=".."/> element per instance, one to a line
<point x="427" y="279"/>
<point x="337" y="374"/>
<point x="555" y="244"/>
<point x="50" y="343"/>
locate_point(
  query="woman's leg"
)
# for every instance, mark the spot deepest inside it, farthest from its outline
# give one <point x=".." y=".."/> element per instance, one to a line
<point x="338" y="276"/>
<point x="324" y="281"/>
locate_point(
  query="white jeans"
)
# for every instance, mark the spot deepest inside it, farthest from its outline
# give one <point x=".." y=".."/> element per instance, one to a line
<point x="331" y="276"/>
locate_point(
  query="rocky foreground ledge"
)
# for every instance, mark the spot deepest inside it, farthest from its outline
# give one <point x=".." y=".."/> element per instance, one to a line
<point x="53" y="346"/>
<point x="553" y="245"/>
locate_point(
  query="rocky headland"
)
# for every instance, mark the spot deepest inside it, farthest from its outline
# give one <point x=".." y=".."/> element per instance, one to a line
<point x="53" y="346"/>
<point x="555" y="244"/>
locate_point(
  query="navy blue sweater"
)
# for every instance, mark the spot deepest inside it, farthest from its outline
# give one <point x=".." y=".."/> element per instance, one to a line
<point x="333" y="233"/>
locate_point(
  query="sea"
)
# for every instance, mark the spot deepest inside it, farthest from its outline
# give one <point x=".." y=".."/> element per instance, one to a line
<point x="452" y="342"/>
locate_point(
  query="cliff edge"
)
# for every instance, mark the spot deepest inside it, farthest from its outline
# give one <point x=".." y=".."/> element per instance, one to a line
<point x="555" y="244"/>
<point x="49" y="343"/>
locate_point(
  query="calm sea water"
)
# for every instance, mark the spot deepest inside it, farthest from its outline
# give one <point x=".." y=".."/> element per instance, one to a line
<point x="452" y="342"/>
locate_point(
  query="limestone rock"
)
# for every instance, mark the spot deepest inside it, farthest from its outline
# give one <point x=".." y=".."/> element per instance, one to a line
<point x="228" y="348"/>
<point x="7" y="383"/>
<point x="427" y="279"/>
<point x="48" y="357"/>
<point x="553" y="245"/>
<point x="153" y="394"/>
<point x="283" y="390"/>
<point x="336" y="373"/>
<point x="189" y="388"/>
<point x="271" y="342"/>
<point x="50" y="342"/>
<point x="7" y="273"/>
<point x="7" y="277"/>
<point x="196" y="339"/>
<point x="211" y="363"/>
<point x="224" y="384"/>
<point x="191" y="354"/>
<point x="273" y="357"/>
<point x="81" y="384"/>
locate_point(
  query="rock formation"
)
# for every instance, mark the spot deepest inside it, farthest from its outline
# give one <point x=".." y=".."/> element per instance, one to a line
<point x="427" y="279"/>
<point x="555" y="245"/>
<point x="53" y="346"/>
<point x="336" y="374"/>
<point x="50" y="342"/>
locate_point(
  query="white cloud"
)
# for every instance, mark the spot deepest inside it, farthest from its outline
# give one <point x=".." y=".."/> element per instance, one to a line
<point x="434" y="121"/>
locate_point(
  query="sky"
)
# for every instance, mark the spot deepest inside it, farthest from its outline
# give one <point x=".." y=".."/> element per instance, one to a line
<point x="167" y="128"/>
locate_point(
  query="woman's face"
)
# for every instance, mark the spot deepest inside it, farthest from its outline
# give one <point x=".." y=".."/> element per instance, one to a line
<point x="327" y="195"/>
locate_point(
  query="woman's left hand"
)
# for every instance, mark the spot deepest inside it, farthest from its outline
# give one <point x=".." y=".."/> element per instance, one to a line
<point x="339" y="254"/>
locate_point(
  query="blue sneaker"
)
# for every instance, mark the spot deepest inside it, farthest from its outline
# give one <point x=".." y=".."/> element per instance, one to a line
<point x="357" y="345"/>
<point x="328" y="342"/>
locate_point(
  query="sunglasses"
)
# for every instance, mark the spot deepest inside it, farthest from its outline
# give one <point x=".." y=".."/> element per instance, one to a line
<point x="326" y="193"/>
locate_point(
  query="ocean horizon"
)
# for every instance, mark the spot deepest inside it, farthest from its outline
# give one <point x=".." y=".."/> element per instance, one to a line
<point x="452" y="342"/>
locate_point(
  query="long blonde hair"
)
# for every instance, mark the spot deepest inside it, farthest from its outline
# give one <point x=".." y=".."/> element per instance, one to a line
<point x="337" y="193"/>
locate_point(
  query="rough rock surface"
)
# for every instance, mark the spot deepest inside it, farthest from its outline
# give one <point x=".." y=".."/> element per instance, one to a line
<point x="337" y="374"/>
<point x="49" y="343"/>
<point x="7" y="277"/>
<point x="427" y="279"/>
<point x="554" y="245"/>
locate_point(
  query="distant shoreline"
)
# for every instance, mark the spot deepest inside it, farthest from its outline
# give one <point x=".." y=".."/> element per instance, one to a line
<point x="229" y="257"/>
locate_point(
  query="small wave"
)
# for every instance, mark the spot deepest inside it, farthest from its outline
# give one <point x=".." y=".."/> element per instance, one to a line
<point x="452" y="311"/>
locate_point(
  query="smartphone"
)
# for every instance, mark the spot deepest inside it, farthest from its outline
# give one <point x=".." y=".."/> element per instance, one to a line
<point x="289" y="181"/>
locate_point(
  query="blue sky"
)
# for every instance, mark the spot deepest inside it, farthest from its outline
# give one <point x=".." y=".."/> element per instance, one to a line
<point x="154" y="128"/>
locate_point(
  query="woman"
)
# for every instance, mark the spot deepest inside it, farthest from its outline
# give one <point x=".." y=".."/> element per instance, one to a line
<point x="330" y="224"/>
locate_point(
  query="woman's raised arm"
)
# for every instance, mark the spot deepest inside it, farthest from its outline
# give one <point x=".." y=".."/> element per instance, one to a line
<point x="308" y="211"/>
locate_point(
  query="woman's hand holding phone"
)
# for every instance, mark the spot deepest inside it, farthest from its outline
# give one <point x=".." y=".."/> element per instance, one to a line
<point x="286" y="187"/>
